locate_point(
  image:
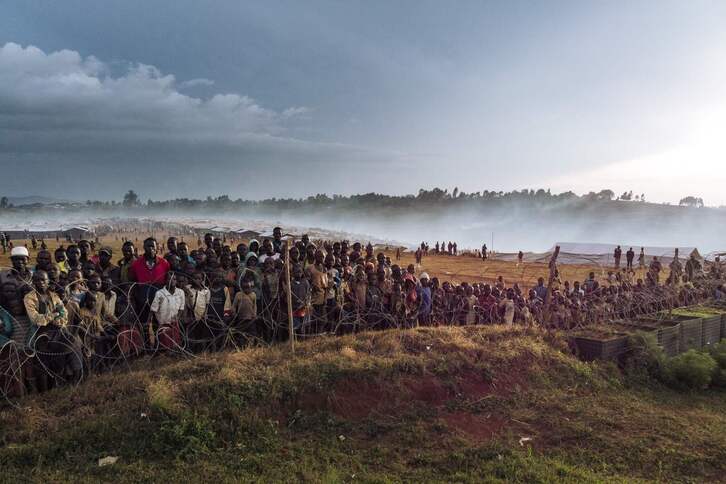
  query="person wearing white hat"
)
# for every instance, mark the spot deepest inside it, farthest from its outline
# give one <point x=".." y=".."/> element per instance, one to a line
<point x="19" y="252"/>
<point x="19" y="275"/>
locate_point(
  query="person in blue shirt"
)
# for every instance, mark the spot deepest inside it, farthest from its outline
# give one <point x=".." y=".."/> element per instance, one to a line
<point x="6" y="327"/>
<point x="424" y="314"/>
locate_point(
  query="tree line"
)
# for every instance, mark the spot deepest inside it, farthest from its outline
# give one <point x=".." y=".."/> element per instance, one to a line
<point x="424" y="197"/>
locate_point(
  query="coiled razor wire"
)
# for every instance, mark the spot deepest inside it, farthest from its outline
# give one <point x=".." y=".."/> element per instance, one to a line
<point x="63" y="356"/>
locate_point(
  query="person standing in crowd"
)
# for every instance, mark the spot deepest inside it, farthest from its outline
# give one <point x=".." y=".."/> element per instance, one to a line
<point x="300" y="292"/>
<point x="18" y="275"/>
<point x="541" y="290"/>
<point x="187" y="261"/>
<point x="693" y="267"/>
<point x="629" y="256"/>
<point x="617" y="254"/>
<point x="48" y="316"/>
<point x="244" y="313"/>
<point x="166" y="310"/>
<point x="171" y="245"/>
<point x="277" y="240"/>
<point x="74" y="258"/>
<point x="509" y="307"/>
<point x="150" y="273"/>
<point x="317" y="274"/>
<point x="124" y="264"/>
<point x="84" y="247"/>
<point x="104" y="266"/>
<point x="95" y="332"/>
<point x="424" y="315"/>
<point x="60" y="259"/>
<point x="208" y="241"/>
<point x="198" y="298"/>
<point x="653" y="275"/>
<point x="43" y="260"/>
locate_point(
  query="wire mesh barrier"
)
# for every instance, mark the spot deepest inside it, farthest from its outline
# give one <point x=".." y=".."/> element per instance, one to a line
<point x="121" y="324"/>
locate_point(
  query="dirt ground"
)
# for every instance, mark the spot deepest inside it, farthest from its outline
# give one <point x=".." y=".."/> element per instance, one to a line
<point x="472" y="269"/>
<point x="457" y="269"/>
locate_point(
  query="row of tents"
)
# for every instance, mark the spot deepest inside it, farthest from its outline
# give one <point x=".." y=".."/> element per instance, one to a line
<point x="240" y="233"/>
<point x="76" y="232"/>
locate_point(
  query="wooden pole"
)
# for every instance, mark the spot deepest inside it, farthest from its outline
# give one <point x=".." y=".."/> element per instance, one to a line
<point x="290" y="327"/>
<point x="548" y="295"/>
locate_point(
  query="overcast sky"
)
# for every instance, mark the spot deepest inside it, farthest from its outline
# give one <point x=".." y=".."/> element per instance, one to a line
<point x="290" y="98"/>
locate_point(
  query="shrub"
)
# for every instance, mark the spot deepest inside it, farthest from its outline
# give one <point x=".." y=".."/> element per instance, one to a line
<point x="718" y="352"/>
<point x="691" y="370"/>
<point x="186" y="437"/>
<point x="645" y="359"/>
<point x="719" y="378"/>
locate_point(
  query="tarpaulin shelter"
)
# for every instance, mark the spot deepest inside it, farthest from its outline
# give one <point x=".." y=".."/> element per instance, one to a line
<point x="603" y="254"/>
<point x="583" y="252"/>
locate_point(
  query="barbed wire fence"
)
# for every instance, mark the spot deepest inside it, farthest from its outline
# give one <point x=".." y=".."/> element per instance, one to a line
<point x="39" y="358"/>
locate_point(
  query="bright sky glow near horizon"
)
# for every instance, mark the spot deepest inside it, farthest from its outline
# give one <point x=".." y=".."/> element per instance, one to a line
<point x="286" y="98"/>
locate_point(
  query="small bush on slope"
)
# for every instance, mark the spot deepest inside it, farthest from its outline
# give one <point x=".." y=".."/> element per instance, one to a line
<point x="645" y="360"/>
<point x="691" y="370"/>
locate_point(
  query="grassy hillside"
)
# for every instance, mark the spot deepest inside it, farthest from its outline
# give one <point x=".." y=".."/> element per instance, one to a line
<point x="434" y="404"/>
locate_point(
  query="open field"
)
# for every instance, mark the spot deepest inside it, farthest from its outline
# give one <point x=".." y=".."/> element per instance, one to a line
<point x="456" y="269"/>
<point x="462" y="404"/>
<point x="471" y="269"/>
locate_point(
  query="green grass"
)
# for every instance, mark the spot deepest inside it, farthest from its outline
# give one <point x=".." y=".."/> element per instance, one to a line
<point x="427" y="405"/>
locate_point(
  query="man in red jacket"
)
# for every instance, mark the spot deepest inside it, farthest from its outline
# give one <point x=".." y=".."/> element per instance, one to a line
<point x="151" y="268"/>
<point x="149" y="272"/>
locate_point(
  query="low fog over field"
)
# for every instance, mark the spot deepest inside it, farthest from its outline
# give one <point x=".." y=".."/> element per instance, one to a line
<point x="524" y="220"/>
<point x="529" y="228"/>
<point x="529" y="231"/>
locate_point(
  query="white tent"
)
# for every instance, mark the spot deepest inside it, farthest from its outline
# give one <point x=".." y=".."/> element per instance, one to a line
<point x="246" y="234"/>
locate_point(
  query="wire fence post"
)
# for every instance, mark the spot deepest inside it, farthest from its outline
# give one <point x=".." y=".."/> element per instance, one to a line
<point x="290" y="327"/>
<point x="550" y="283"/>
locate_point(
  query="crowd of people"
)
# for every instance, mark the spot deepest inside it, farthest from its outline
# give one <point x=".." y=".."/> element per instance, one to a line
<point x="79" y="310"/>
<point x="450" y="248"/>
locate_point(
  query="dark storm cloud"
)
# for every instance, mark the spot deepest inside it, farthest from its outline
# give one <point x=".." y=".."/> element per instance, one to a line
<point x="61" y="109"/>
<point x="61" y="90"/>
<point x="364" y="95"/>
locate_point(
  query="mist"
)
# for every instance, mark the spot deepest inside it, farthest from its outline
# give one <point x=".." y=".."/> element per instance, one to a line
<point x="505" y="224"/>
<point x="516" y="227"/>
